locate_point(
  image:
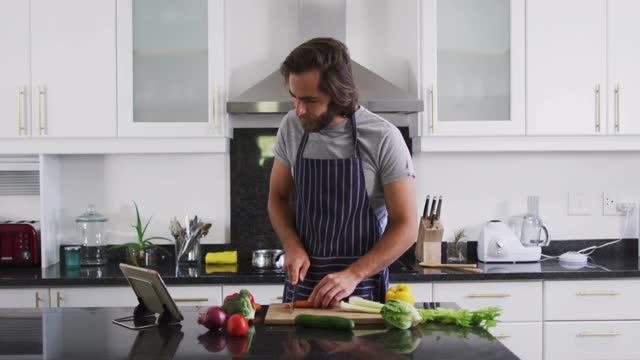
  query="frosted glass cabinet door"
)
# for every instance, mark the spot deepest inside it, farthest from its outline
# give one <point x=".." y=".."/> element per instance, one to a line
<point x="473" y="67"/>
<point x="170" y="68"/>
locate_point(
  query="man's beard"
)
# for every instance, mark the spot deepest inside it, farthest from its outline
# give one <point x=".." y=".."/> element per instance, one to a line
<point x="317" y="123"/>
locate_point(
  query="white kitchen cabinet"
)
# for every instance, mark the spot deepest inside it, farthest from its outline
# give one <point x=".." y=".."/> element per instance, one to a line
<point x="523" y="339"/>
<point x="473" y="71"/>
<point x="520" y="301"/>
<point x="183" y="295"/>
<point x="592" y="340"/>
<point x="566" y="67"/>
<point x="89" y="296"/>
<point x="196" y="295"/>
<point x="73" y="68"/>
<point x="592" y="300"/>
<point x="14" y="72"/>
<point x="624" y="73"/>
<point x="171" y="72"/>
<point x="24" y="297"/>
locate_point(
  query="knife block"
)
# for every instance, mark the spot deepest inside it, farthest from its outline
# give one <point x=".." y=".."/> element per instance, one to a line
<point x="429" y="243"/>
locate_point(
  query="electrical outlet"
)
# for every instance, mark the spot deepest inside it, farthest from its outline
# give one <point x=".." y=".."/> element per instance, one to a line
<point x="612" y="202"/>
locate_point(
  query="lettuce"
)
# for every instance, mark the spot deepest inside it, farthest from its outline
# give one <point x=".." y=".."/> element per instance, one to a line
<point x="399" y="314"/>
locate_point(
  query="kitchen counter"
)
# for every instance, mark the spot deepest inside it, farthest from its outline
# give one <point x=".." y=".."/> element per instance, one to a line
<point x="83" y="333"/>
<point x="615" y="261"/>
<point x="110" y="274"/>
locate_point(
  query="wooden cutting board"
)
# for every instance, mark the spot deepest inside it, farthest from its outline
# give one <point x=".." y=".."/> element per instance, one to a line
<point x="278" y="315"/>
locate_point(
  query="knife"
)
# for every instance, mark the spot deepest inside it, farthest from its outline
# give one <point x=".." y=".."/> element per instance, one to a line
<point x="425" y="212"/>
<point x="433" y="210"/>
<point x="438" y="208"/>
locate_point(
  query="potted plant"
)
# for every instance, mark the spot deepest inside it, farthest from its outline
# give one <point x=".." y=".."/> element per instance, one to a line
<point x="143" y="251"/>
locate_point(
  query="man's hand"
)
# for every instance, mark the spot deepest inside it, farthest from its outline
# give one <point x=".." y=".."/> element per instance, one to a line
<point x="296" y="264"/>
<point x="333" y="288"/>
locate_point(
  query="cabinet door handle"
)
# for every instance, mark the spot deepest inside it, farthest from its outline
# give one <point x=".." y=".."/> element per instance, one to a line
<point x="432" y="125"/>
<point x="191" y="299"/>
<point x="598" y="293"/>
<point x="489" y="295"/>
<point x="617" y="95"/>
<point x="20" y="109"/>
<point x="598" y="108"/>
<point x="597" y="334"/>
<point x="58" y="298"/>
<point x="213" y="109"/>
<point x="279" y="297"/>
<point x="38" y="299"/>
<point x="41" y="99"/>
<point x="502" y="336"/>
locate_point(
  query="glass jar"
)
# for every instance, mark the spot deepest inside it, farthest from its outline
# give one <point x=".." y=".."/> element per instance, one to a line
<point x="91" y="226"/>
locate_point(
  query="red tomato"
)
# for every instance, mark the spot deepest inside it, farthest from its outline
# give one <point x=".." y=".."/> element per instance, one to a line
<point x="237" y="325"/>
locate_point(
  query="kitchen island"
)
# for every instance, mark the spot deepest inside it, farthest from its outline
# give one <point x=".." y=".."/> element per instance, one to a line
<point x="88" y="333"/>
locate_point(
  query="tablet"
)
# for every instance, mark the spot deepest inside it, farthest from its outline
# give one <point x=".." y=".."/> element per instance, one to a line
<point x="151" y="290"/>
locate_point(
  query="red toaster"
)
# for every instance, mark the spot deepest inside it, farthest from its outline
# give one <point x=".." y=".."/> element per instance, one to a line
<point x="20" y="243"/>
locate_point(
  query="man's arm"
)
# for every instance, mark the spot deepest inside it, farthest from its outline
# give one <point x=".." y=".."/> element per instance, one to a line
<point x="400" y="198"/>
<point x="283" y="222"/>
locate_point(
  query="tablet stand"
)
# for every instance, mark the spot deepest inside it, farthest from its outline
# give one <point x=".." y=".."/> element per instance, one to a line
<point x="142" y="318"/>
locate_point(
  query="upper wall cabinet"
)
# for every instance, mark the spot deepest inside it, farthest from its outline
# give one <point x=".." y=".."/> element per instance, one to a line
<point x="566" y="67"/>
<point x="473" y="67"/>
<point x="14" y="72"/>
<point x="171" y="68"/>
<point x="70" y="88"/>
<point x="624" y="70"/>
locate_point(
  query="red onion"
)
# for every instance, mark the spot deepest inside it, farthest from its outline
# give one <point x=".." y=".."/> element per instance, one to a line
<point x="213" y="319"/>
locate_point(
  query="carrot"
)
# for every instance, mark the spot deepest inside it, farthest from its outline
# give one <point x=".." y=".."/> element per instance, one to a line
<point x="302" y="304"/>
<point x="257" y="307"/>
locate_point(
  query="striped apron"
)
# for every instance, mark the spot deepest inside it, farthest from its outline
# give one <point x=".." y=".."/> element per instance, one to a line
<point x="334" y="220"/>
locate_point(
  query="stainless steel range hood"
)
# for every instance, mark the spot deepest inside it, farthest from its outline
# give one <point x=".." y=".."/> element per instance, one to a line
<point x="324" y="18"/>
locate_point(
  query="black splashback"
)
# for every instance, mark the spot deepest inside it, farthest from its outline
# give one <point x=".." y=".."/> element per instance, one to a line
<point x="251" y="162"/>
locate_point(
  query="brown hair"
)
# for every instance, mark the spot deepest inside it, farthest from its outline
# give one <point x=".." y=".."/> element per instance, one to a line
<point x="331" y="58"/>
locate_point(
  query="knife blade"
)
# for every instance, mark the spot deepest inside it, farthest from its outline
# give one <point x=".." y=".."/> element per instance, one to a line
<point x="438" y="208"/>
<point x="293" y="302"/>
<point x="425" y="212"/>
<point x="432" y="211"/>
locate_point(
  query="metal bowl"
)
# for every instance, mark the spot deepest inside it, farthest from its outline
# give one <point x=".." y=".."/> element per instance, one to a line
<point x="268" y="259"/>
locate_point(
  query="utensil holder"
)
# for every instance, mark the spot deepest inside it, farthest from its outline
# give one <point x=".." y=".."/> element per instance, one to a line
<point x="193" y="256"/>
<point x="429" y="243"/>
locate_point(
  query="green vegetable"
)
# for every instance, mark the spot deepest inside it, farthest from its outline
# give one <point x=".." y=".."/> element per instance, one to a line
<point x="357" y="308"/>
<point x="358" y="301"/>
<point x="324" y="322"/>
<point x="240" y="304"/>
<point x="483" y="317"/>
<point x="399" y="314"/>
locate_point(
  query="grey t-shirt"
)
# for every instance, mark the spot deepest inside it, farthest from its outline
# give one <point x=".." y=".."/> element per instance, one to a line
<point x="385" y="157"/>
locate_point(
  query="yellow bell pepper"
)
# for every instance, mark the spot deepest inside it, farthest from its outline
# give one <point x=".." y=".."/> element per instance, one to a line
<point x="400" y="292"/>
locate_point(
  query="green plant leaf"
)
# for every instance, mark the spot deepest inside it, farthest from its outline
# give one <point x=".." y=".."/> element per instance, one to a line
<point x="145" y="227"/>
<point x="138" y="223"/>
<point x="157" y="238"/>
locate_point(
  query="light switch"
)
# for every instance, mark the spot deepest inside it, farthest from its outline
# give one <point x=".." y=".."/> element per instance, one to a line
<point x="579" y="203"/>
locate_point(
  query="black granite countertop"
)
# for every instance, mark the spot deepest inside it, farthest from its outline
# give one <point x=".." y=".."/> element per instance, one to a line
<point x="616" y="261"/>
<point x="88" y="333"/>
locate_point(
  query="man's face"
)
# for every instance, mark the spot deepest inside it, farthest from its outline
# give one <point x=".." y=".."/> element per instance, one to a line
<point x="312" y="105"/>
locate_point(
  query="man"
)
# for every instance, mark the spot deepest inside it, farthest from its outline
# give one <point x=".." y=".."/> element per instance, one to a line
<point x="347" y="171"/>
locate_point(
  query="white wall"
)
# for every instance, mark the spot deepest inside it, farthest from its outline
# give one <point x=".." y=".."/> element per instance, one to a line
<point x="162" y="185"/>
<point x="485" y="186"/>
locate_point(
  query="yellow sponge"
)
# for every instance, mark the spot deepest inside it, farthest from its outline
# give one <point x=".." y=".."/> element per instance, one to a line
<point x="222" y="257"/>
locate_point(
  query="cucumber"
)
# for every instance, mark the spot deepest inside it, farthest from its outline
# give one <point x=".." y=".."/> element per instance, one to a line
<point x="324" y="322"/>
